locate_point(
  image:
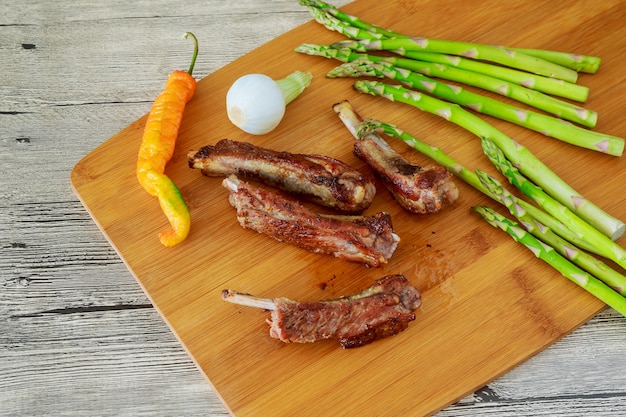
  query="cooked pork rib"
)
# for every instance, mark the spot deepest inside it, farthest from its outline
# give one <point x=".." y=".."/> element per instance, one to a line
<point x="321" y="179"/>
<point x="364" y="239"/>
<point x="422" y="190"/>
<point x="382" y="310"/>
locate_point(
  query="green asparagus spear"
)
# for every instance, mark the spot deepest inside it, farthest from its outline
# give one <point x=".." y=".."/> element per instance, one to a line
<point x="546" y="85"/>
<point x="567" y="242"/>
<point x="538" y="122"/>
<point x="554" y="259"/>
<point x="488" y="185"/>
<point x="601" y="242"/>
<point x="527" y="214"/>
<point x="532" y="97"/>
<point x="319" y="7"/>
<point x="498" y="55"/>
<point x="371" y="126"/>
<point x="519" y="155"/>
<point x="494" y="189"/>
<point x="329" y="21"/>
<point x="576" y="62"/>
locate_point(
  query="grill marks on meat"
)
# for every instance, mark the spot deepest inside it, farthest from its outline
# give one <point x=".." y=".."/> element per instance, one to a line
<point x="364" y="239"/>
<point x="382" y="310"/>
<point x="321" y="179"/>
<point x="421" y="190"/>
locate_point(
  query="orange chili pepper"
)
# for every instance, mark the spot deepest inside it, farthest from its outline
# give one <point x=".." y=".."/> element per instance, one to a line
<point x="157" y="148"/>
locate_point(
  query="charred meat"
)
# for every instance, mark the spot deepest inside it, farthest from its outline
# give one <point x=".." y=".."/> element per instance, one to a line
<point x="364" y="239"/>
<point x="422" y="190"/>
<point x="321" y="179"/>
<point x="382" y="310"/>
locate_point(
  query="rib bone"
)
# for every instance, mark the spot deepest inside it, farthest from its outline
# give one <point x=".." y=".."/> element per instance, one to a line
<point x="382" y="310"/>
<point x="422" y="190"/>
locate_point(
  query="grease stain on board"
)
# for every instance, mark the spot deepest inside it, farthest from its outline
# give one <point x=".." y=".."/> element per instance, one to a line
<point x="435" y="270"/>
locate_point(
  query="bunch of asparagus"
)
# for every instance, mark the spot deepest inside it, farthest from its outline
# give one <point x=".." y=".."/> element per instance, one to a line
<point x="529" y="76"/>
<point x="563" y="228"/>
<point x="553" y="234"/>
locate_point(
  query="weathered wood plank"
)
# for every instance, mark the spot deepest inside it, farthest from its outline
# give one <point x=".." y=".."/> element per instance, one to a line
<point x="77" y="334"/>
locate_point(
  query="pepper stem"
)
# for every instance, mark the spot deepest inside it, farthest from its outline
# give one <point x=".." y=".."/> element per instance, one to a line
<point x="294" y="84"/>
<point x="195" y="50"/>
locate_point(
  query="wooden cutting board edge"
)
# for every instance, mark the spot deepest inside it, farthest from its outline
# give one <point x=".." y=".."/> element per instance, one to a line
<point x="80" y="176"/>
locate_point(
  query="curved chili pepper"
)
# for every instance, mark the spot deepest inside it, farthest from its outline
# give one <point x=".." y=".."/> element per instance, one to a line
<point x="157" y="148"/>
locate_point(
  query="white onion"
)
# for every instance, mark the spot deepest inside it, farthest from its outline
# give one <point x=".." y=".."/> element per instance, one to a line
<point x="256" y="103"/>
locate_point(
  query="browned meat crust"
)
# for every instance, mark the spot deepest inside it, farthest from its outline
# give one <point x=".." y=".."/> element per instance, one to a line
<point x="321" y="179"/>
<point x="364" y="239"/>
<point x="382" y="310"/>
<point x="422" y="190"/>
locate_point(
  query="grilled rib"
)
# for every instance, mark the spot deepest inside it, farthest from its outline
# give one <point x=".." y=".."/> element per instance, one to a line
<point x="422" y="190"/>
<point x="321" y="179"/>
<point x="382" y="310"/>
<point x="364" y="239"/>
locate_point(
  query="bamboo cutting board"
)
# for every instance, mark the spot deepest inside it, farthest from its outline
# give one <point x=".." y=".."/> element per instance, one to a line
<point x="488" y="304"/>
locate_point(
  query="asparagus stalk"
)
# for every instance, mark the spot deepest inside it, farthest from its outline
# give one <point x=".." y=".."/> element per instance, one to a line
<point x="319" y="8"/>
<point x="331" y="22"/>
<point x="565" y="245"/>
<point x="601" y="242"/>
<point x="495" y="54"/>
<point x="576" y="62"/>
<point x="569" y="247"/>
<point x="547" y="85"/>
<point x="495" y="190"/>
<point x="554" y="259"/>
<point x="516" y="206"/>
<point x="517" y="92"/>
<point x="539" y="122"/>
<point x="371" y="126"/>
<point x="519" y="155"/>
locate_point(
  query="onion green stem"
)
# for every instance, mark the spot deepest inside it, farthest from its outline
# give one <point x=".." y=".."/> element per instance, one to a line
<point x="294" y="84"/>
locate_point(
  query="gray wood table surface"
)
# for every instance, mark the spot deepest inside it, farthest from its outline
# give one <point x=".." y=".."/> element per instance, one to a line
<point x="77" y="334"/>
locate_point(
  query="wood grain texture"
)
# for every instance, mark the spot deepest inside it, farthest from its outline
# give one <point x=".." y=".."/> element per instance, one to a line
<point x="78" y="335"/>
<point x="488" y="305"/>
